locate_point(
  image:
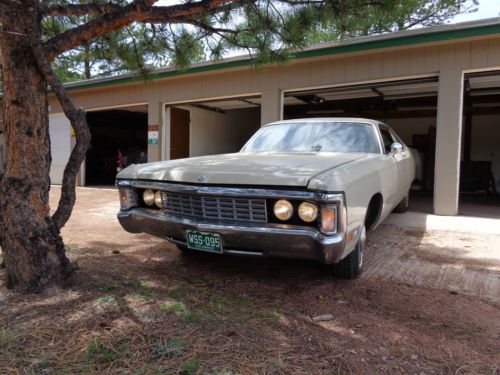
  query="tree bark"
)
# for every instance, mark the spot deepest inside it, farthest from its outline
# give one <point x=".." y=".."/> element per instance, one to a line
<point x="33" y="248"/>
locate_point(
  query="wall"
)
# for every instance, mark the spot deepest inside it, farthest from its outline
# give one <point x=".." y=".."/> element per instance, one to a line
<point x="486" y="142"/>
<point x="219" y="133"/>
<point x="409" y="126"/>
<point x="391" y="63"/>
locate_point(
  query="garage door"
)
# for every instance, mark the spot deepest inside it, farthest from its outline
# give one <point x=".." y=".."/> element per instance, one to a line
<point x="60" y="139"/>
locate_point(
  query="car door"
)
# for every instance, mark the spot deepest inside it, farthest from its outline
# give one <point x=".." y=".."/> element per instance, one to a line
<point x="399" y="161"/>
<point x="390" y="178"/>
<point x="405" y="164"/>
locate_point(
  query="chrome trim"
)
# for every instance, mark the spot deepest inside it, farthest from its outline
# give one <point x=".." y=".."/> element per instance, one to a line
<point x="332" y="198"/>
<point x="396" y="147"/>
<point x="215" y="207"/>
<point x="275" y="240"/>
<point x="217" y="190"/>
<point x="225" y="250"/>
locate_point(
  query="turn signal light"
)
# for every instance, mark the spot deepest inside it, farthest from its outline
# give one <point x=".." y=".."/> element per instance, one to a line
<point x="329" y="219"/>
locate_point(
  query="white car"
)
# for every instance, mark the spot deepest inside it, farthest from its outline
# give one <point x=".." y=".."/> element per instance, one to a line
<point x="307" y="188"/>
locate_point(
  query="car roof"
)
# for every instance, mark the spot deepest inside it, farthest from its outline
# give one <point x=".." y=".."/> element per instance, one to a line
<point x="326" y="119"/>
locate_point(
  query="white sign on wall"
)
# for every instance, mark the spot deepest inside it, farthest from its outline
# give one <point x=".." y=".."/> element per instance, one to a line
<point x="153" y="134"/>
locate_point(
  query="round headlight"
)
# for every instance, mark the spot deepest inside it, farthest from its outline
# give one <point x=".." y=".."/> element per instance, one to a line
<point x="283" y="210"/>
<point x="158" y="199"/>
<point x="148" y="197"/>
<point x="308" y="212"/>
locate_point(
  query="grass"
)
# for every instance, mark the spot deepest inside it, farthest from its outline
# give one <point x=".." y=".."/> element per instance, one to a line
<point x="190" y="366"/>
<point x="106" y="300"/>
<point x="8" y="338"/>
<point x="41" y="366"/>
<point x="98" y="352"/>
<point x="172" y="348"/>
<point x="193" y="305"/>
<point x="478" y="327"/>
<point x="275" y="365"/>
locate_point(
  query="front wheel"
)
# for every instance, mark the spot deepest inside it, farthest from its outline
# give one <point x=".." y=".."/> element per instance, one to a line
<point x="351" y="266"/>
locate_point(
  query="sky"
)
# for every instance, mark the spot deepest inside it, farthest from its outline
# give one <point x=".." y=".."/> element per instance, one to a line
<point x="486" y="9"/>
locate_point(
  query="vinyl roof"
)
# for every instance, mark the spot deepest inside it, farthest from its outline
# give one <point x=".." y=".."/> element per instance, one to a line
<point x="439" y="33"/>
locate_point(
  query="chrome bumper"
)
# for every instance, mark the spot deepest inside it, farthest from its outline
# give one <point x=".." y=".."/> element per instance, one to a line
<point x="271" y="240"/>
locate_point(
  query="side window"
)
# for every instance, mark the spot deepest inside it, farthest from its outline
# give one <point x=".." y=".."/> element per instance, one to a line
<point x="386" y="138"/>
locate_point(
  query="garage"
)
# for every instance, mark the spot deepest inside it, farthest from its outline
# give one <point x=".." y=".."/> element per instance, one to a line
<point x="119" y="138"/>
<point x="211" y="127"/>
<point x="438" y="87"/>
<point x="480" y="161"/>
<point x="410" y="107"/>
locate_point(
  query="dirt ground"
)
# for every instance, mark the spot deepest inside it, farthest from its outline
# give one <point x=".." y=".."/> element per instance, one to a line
<point x="136" y="306"/>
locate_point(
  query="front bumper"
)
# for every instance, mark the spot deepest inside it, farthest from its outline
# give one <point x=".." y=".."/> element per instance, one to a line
<point x="271" y="240"/>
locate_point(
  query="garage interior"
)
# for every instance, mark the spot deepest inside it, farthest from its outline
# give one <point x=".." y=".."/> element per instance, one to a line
<point x="410" y="108"/>
<point x="119" y="138"/>
<point x="212" y="127"/>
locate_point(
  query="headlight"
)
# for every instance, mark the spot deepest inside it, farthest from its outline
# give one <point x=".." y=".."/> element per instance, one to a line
<point x="158" y="199"/>
<point x="283" y="210"/>
<point x="149" y="197"/>
<point x="308" y="212"/>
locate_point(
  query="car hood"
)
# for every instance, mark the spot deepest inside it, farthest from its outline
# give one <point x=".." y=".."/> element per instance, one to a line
<point x="263" y="168"/>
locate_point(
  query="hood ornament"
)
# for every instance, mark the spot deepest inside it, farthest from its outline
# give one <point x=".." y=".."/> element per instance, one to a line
<point x="201" y="178"/>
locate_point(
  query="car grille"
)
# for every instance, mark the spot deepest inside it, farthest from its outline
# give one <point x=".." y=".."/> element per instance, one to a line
<point x="215" y="207"/>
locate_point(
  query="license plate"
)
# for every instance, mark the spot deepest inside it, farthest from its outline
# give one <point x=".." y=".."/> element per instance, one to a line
<point x="204" y="241"/>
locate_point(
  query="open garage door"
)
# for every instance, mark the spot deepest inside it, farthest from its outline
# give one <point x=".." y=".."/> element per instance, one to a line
<point x="211" y="127"/>
<point x="119" y="138"/>
<point x="480" y="162"/>
<point x="408" y="106"/>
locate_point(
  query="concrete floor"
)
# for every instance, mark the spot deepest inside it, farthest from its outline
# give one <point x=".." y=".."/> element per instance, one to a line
<point x="469" y="204"/>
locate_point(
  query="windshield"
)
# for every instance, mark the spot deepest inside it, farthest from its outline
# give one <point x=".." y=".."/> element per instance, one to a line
<point x="315" y="137"/>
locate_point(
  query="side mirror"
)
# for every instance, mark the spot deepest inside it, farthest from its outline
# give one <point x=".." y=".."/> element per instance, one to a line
<point x="396" y="147"/>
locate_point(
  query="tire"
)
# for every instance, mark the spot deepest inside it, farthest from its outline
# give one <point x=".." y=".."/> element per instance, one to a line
<point x="403" y="205"/>
<point x="352" y="265"/>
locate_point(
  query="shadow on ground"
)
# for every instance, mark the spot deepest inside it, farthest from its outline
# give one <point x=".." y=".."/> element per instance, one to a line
<point x="153" y="311"/>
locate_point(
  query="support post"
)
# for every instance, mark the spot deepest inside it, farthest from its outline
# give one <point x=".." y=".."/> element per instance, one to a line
<point x="155" y="123"/>
<point x="448" y="142"/>
<point x="271" y="107"/>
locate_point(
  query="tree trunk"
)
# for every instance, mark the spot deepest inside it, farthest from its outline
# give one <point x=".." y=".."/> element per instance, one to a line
<point x="31" y="243"/>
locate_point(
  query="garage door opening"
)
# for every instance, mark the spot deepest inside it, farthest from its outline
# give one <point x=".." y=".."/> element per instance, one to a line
<point x="480" y="159"/>
<point x="119" y="138"/>
<point x="408" y="106"/>
<point x="212" y="127"/>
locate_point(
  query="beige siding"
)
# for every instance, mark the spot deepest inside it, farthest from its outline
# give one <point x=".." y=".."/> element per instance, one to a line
<point x="332" y="70"/>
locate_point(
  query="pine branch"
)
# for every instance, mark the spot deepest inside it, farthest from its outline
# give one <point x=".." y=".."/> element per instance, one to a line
<point x="137" y="11"/>
<point x="66" y="10"/>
